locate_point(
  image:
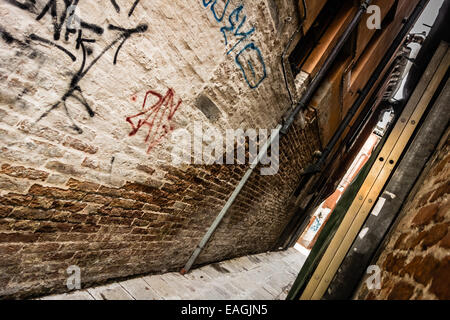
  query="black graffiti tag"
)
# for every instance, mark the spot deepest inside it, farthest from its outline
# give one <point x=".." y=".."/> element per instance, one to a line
<point x="66" y="18"/>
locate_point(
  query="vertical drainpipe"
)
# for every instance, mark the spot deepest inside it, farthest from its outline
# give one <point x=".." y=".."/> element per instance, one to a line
<point x="281" y="129"/>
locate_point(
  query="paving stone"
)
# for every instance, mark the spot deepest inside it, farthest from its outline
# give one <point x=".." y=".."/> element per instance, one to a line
<point x="246" y="263"/>
<point x="161" y="287"/>
<point x="77" y="295"/>
<point x="215" y="292"/>
<point x="212" y="272"/>
<point x="274" y="292"/>
<point x="185" y="288"/>
<point x="110" y="292"/>
<point x="140" y="290"/>
<point x="197" y="274"/>
<point x="260" y="294"/>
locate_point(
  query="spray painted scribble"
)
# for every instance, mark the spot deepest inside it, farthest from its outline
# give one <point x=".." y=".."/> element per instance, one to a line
<point x="74" y="25"/>
<point x="248" y="56"/>
<point x="157" y="118"/>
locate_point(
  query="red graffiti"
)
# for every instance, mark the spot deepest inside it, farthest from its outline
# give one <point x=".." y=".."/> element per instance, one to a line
<point x="157" y="118"/>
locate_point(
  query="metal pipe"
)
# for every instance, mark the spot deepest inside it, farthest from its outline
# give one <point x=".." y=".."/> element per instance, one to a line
<point x="284" y="62"/>
<point x="367" y="88"/>
<point x="293" y="235"/>
<point x="281" y="128"/>
<point x="325" y="68"/>
<point x="283" y="56"/>
<point x="231" y="199"/>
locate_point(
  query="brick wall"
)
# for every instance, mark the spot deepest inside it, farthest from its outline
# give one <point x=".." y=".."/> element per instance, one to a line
<point x="79" y="187"/>
<point x="415" y="262"/>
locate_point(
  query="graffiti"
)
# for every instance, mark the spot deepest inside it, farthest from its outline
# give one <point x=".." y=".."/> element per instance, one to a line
<point x="213" y="9"/>
<point x="130" y="12"/>
<point x="249" y="58"/>
<point x="133" y="7"/>
<point x="70" y="21"/>
<point x="115" y="5"/>
<point x="250" y="63"/>
<point x="67" y="15"/>
<point x="157" y="118"/>
<point x="37" y="38"/>
<point x="234" y="19"/>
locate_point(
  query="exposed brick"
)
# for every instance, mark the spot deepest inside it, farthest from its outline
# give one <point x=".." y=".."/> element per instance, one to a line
<point x="85" y="228"/>
<point x="24" y="225"/>
<point x="48" y="149"/>
<point x="13" y="199"/>
<point x="139" y="202"/>
<point x="9" y="249"/>
<point x="142" y="197"/>
<point x="424" y="198"/>
<point x="41" y="247"/>
<point x="441" y="280"/>
<point x="90" y="163"/>
<point x="24" y="173"/>
<point x="79" y="145"/>
<point x="4" y="211"/>
<point x="63" y="168"/>
<point x="76" y="218"/>
<point x="425" y="245"/>
<point x="437" y="170"/>
<point x="414" y="240"/>
<point x="96" y="198"/>
<point x="50" y="227"/>
<point x="12" y="237"/>
<point x="434" y="235"/>
<point x="422" y="269"/>
<point x="399" y="244"/>
<point x="443" y="213"/>
<point x="9" y="184"/>
<point x="82" y="186"/>
<point x="145" y="169"/>
<point x="127" y="204"/>
<point x="394" y="263"/>
<point x="440" y="192"/>
<point x="425" y="215"/>
<point x="401" y="291"/>
<point x="139" y="231"/>
<point x="445" y="242"/>
<point x="30" y="213"/>
<point x="140" y="223"/>
<point x="139" y="187"/>
<point x="110" y="191"/>
<point x="40" y="203"/>
<point x="72" y="206"/>
<point x="116" y="220"/>
<point x="51" y="192"/>
<point x="40" y="131"/>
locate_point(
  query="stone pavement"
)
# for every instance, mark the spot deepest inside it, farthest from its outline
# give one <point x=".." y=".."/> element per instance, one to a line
<point x="266" y="276"/>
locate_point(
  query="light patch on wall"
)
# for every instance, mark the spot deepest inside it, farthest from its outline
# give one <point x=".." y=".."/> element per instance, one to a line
<point x="378" y="207"/>
<point x="273" y="9"/>
<point x="363" y="233"/>
<point x="209" y="108"/>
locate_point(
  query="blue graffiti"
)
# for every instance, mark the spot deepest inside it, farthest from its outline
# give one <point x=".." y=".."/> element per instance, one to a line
<point x="213" y="9"/>
<point x="243" y="35"/>
<point x="315" y="226"/>
<point x="249" y="59"/>
<point x="252" y="82"/>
